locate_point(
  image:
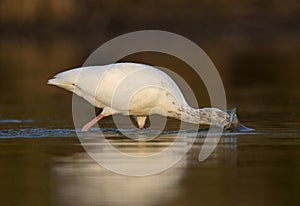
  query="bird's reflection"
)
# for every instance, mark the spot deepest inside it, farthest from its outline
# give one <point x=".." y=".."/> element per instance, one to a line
<point x="78" y="180"/>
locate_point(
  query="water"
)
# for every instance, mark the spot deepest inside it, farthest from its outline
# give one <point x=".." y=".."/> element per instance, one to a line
<point x="43" y="162"/>
<point x="48" y="166"/>
<point x="255" y="47"/>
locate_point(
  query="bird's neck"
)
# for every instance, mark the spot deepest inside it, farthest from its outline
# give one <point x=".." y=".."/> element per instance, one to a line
<point x="207" y="116"/>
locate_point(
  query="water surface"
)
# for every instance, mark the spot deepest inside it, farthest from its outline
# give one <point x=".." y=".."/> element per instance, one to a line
<point x="48" y="166"/>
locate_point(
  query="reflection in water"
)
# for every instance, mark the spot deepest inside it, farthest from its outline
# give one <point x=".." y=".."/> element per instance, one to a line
<point x="138" y="158"/>
<point x="78" y="180"/>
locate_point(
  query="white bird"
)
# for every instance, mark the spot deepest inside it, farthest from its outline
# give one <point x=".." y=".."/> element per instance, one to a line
<point x="135" y="89"/>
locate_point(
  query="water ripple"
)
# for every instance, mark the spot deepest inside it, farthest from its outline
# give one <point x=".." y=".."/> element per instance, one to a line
<point x="36" y="133"/>
<point x="16" y="121"/>
<point x="108" y="132"/>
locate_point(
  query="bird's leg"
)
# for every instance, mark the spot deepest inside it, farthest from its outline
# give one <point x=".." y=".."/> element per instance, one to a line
<point x="141" y="120"/>
<point x="88" y="125"/>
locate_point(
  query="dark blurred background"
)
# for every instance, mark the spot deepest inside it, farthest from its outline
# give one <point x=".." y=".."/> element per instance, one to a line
<point x="254" y="44"/>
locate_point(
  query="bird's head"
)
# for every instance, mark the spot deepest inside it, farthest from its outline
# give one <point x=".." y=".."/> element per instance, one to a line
<point x="233" y="122"/>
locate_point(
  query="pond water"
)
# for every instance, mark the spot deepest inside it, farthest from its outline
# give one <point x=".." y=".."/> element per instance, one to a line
<point x="43" y="163"/>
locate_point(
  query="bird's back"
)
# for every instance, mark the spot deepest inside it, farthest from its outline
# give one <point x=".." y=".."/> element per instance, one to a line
<point x="132" y="87"/>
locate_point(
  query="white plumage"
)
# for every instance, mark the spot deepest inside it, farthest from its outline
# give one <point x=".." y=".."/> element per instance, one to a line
<point x="134" y="89"/>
